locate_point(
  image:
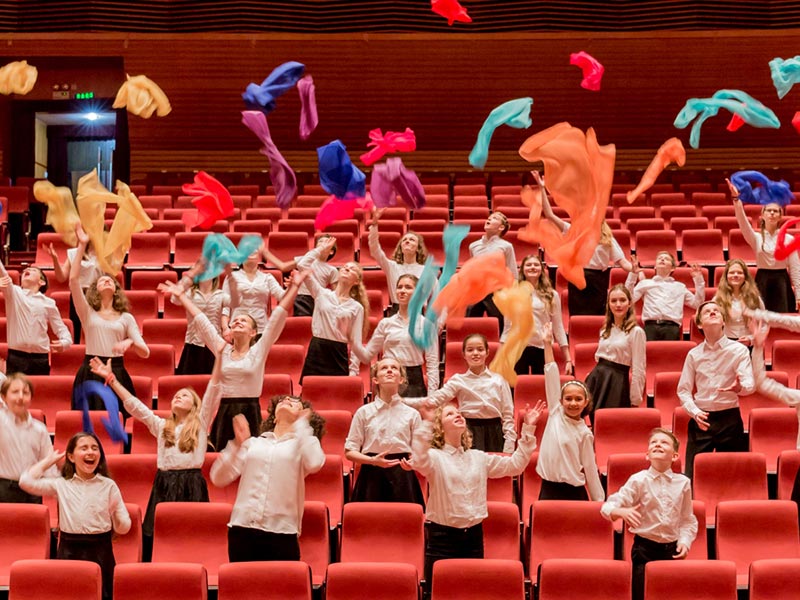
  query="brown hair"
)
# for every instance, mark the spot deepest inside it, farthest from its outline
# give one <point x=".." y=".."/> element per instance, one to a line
<point x="119" y="303"/>
<point x="749" y="291"/>
<point x="675" y="443"/>
<point x="438" y="432"/>
<point x="629" y="322"/>
<point x="323" y="236"/>
<point x="187" y="441"/>
<point x="606" y="235"/>
<point x="700" y="309"/>
<point x="11" y="378"/>
<point x="762" y="225"/>
<point x="422" y="250"/>
<point x="474" y="335"/>
<point x="316" y="421"/>
<point x="68" y="470"/>
<point x="373" y="373"/>
<point x="543" y="287"/>
<point x="589" y="402"/>
<point x="506" y="224"/>
<point x="359" y="293"/>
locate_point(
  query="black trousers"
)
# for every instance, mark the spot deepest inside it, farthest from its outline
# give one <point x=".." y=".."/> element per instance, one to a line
<point x="487" y="434"/>
<point x="558" y="490"/>
<point x="644" y="551"/>
<point x="487" y="307"/>
<point x="247" y="544"/>
<point x="451" y="542"/>
<point x="724" y="434"/>
<point x="531" y="361"/>
<point x="30" y="363"/>
<point x="591" y="300"/>
<point x="662" y="330"/>
<point x="303" y="306"/>
<point x="12" y="493"/>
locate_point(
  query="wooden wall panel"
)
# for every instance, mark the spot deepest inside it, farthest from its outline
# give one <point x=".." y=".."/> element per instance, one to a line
<point x="442" y="86"/>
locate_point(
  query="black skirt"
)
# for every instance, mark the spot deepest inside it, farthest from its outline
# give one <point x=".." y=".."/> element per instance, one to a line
<point x="195" y="360"/>
<point x="487" y="434"/>
<point x="303" y="306"/>
<point x="222" y="427"/>
<point x="376" y="484"/>
<point x="776" y="290"/>
<point x="325" y="357"/>
<point x="415" y="385"/>
<point x="179" y="485"/>
<point x="591" y="300"/>
<point x="610" y="385"/>
<point x="85" y="374"/>
<point x="531" y="361"/>
<point x="94" y="547"/>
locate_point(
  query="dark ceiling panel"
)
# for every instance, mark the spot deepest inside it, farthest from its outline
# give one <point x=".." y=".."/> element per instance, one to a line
<point x="392" y="16"/>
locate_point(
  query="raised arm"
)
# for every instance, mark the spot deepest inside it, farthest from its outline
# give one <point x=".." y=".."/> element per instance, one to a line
<point x="205" y="329"/>
<point x="64" y="340"/>
<point x="284" y="266"/>
<point x="373" y="238"/>
<point x="311" y="455"/>
<point x="699" y="296"/>
<point x="78" y="297"/>
<point x="228" y="467"/>
<point x="34" y="481"/>
<point x="547" y="210"/>
<point x="132" y="404"/>
<point x="741" y="217"/>
<point x="509" y="466"/>
<point x="60" y="270"/>
<point x="211" y="399"/>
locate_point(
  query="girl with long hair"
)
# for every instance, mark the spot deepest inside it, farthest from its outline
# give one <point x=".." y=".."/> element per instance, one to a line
<point x="737" y="292"/>
<point x="182" y="440"/>
<point x="546" y="307"/>
<point x="109" y="327"/>
<point x="618" y="379"/>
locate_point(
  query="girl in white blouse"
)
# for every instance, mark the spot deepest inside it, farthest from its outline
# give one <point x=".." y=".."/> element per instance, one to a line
<point x="408" y="258"/>
<point x="457" y="475"/>
<point x="90" y="271"/>
<point x="24" y="441"/>
<point x="618" y="379"/>
<point x="182" y="440"/>
<point x="109" y="327"/>
<point x="254" y="290"/>
<point x="737" y="292"/>
<point x="546" y="307"/>
<point x="391" y="339"/>
<point x="271" y="468"/>
<point x="483" y="396"/>
<point x="567" y="463"/>
<point x="779" y="288"/>
<point x="196" y="358"/>
<point x="90" y="506"/>
<point x="339" y="319"/>
<point x="242" y="360"/>
<point x="380" y="441"/>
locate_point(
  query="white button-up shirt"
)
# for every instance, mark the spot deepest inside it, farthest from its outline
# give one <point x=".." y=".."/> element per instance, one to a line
<point x="457" y="477"/>
<point x="709" y="367"/>
<point x="29" y="314"/>
<point x="392" y="268"/>
<point x="252" y="296"/>
<point x="495" y="244"/>
<point x="482" y="396"/>
<point x="567" y="452"/>
<point x="383" y="427"/>
<point x="272" y="470"/>
<point x="628" y="349"/>
<point x="664" y="297"/>
<point x="84" y="506"/>
<point x="22" y="445"/>
<point x="764" y="247"/>
<point x="666" y="506"/>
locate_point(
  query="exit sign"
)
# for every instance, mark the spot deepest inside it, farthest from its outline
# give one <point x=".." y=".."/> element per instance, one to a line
<point x="84" y="95"/>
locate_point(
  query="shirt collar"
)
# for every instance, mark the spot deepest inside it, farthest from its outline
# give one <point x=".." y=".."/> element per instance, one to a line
<point x="485" y="371"/>
<point x="667" y="278"/>
<point x="452" y="450"/>
<point x="381" y="403"/>
<point x="723" y="341"/>
<point x="655" y="474"/>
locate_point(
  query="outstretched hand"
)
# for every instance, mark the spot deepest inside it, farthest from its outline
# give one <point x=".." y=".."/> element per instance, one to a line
<point x="100" y="368"/>
<point x="732" y="188"/>
<point x="241" y="429"/>
<point x="83" y="237"/>
<point x="760" y="331"/>
<point x="532" y="415"/>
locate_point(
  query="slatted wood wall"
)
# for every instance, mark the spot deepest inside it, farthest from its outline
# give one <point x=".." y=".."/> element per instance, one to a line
<point x="442" y="86"/>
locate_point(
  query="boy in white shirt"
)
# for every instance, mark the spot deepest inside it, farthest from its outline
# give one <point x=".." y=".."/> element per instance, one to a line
<point x="656" y="505"/>
<point x="664" y="297"/>
<point x="494" y="230"/>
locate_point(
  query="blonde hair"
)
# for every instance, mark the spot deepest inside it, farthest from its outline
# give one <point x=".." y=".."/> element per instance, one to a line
<point x="438" y="432"/>
<point x="359" y="293"/>
<point x="724" y="296"/>
<point x="422" y="250"/>
<point x="373" y="373"/>
<point x="543" y="287"/>
<point x="187" y="440"/>
<point x="628" y="323"/>
<point x="606" y="236"/>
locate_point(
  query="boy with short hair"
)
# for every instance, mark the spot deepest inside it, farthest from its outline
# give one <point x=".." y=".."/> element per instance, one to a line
<point x="664" y="297"/>
<point x="656" y="504"/>
<point x="494" y="229"/>
<point x="716" y="372"/>
<point x="29" y="313"/>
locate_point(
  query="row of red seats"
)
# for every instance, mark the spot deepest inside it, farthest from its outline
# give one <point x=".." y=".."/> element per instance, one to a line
<point x="746" y="531"/>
